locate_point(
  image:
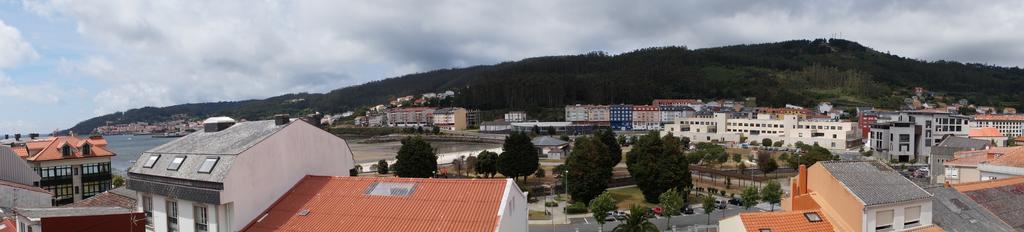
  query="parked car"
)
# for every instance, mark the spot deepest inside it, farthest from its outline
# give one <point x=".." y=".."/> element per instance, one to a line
<point x="621" y="215"/>
<point x="687" y="209"/>
<point x="657" y="211"/>
<point x="736" y="201"/>
<point x="610" y="216"/>
<point x="720" y="204"/>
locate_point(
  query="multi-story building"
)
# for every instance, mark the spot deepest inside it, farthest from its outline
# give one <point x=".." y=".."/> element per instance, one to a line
<point x="801" y="113"/>
<point x="676" y="102"/>
<point x="222" y="177"/>
<point x="947" y="149"/>
<point x="410" y="117"/>
<point x="16" y="183"/>
<point x="865" y="119"/>
<point x="376" y="120"/>
<point x="575" y="113"/>
<point x="722" y="127"/>
<point x="1010" y="125"/>
<point x="910" y="135"/>
<point x="472" y="118"/>
<point x="453" y="118"/>
<point x="669" y="113"/>
<point x="71" y="167"/>
<point x="621" y="117"/>
<point x="518" y="116"/>
<point x="598" y="115"/>
<point x="845" y="196"/>
<point x="646" y="117"/>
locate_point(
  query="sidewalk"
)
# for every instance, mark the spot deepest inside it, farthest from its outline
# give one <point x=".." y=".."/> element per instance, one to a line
<point x="558" y="215"/>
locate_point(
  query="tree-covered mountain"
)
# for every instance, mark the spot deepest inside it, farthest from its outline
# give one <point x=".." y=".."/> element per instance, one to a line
<point x="793" y="72"/>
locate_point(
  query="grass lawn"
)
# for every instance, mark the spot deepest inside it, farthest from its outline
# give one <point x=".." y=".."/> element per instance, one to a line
<point x="626" y="197"/>
<point x="539" y="215"/>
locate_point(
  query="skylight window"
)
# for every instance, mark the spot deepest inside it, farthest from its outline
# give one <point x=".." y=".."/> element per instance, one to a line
<point x="151" y="161"/>
<point x="208" y="164"/>
<point x="176" y="163"/>
<point x="391" y="189"/>
<point x="812" y="217"/>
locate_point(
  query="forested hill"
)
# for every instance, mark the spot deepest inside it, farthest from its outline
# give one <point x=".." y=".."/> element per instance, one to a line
<point x="795" y="72"/>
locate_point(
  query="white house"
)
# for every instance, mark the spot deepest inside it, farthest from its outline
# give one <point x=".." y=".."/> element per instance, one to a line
<point x="220" y="178"/>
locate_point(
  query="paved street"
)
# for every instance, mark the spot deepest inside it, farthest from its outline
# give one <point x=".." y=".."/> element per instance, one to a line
<point x="682" y="223"/>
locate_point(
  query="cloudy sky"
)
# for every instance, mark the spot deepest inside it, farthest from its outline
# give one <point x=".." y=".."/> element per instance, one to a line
<point x="64" y="61"/>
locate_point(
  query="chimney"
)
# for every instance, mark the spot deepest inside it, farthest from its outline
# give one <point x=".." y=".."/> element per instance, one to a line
<point x="33" y="136"/>
<point x="803" y="180"/>
<point x="7" y="136"/>
<point x="17" y="137"/>
<point x="216" y="124"/>
<point x="281" y="119"/>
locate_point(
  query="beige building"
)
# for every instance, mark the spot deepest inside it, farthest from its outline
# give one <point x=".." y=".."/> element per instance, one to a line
<point x="845" y="196"/>
<point x="790" y="129"/>
<point x="982" y="165"/>
<point x="409" y="117"/>
<point x="450" y="118"/>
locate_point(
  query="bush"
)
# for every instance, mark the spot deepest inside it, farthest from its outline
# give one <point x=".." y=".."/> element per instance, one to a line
<point x="576" y="208"/>
<point x="550" y="204"/>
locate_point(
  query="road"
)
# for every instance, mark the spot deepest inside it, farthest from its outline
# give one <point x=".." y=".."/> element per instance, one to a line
<point x="682" y="223"/>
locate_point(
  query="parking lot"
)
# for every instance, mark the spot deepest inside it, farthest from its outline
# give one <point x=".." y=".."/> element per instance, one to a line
<point x="681" y="222"/>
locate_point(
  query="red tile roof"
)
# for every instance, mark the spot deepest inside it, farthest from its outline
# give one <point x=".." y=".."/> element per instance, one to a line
<point x="1000" y="156"/>
<point x="999" y="117"/>
<point x="49" y="149"/>
<point x="106" y="199"/>
<point x="8" y="225"/>
<point x="785" y="221"/>
<point x="341" y="204"/>
<point x="967" y="187"/>
<point x="984" y="132"/>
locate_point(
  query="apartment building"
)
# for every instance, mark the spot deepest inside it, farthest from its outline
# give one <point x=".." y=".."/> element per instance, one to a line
<point x="453" y="118"/>
<point x="597" y="115"/>
<point x="410" y="117"/>
<point x="221" y="178"/>
<point x="909" y="135"/>
<point x="723" y="127"/>
<point x="845" y="196"/>
<point x="646" y="117"/>
<point x="621" y="117"/>
<point x="519" y="116"/>
<point x="676" y="102"/>
<point x="576" y="113"/>
<point x="1010" y="125"/>
<point x="71" y="167"/>
<point x="669" y="113"/>
<point x="801" y="113"/>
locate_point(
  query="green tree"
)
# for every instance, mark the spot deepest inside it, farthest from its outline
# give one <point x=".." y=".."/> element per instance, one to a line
<point x="486" y="163"/>
<point x="600" y="206"/>
<point x="588" y="170"/>
<point x="811" y="154"/>
<point x="778" y="143"/>
<point x="541" y="173"/>
<point x="118" y="181"/>
<point x="671" y="202"/>
<point x="636" y="222"/>
<point x="765" y="163"/>
<point x="436" y="130"/>
<point x="709" y="206"/>
<point x="771" y="193"/>
<point x="658" y="164"/>
<point x="519" y="158"/>
<point x="551" y="131"/>
<point x="750" y="197"/>
<point x="382" y="167"/>
<point x="737" y="158"/>
<point x="614" y="148"/>
<point x="535" y="130"/>
<point x="685" y="142"/>
<point x="766" y="142"/>
<point x="416" y="158"/>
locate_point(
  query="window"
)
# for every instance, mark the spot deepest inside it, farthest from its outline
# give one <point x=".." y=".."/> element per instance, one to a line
<point x="208" y="164"/>
<point x="62" y="193"/>
<point x="812" y="217"/>
<point x="87" y="149"/>
<point x="952" y="173"/>
<point x="176" y="163"/>
<point x="151" y="161"/>
<point x="883" y="220"/>
<point x="147" y="208"/>
<point x="97" y="168"/>
<point x="90" y="189"/>
<point x="911" y="216"/>
<point x="904" y="138"/>
<point x="65" y="150"/>
<point x="202" y="221"/>
<point x="172" y="216"/>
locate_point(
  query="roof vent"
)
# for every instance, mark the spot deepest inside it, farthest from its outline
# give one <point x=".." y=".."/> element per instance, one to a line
<point x="390" y="189"/>
<point x="281" y="119"/>
<point x="216" y="124"/>
<point x="304" y="212"/>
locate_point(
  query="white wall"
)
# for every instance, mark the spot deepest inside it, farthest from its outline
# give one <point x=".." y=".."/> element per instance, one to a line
<point x="262" y="174"/>
<point x="513" y="210"/>
<point x="24" y="222"/>
<point x="898" y="216"/>
<point x="12" y="197"/>
<point x="731" y="224"/>
<point x="186" y="217"/>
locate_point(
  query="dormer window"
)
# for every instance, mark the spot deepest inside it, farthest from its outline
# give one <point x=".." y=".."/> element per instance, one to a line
<point x="86" y="149"/>
<point x="176" y="163"/>
<point x="65" y="150"/>
<point x="151" y="161"/>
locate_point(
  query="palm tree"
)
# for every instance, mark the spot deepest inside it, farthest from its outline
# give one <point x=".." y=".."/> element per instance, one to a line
<point x="636" y="222"/>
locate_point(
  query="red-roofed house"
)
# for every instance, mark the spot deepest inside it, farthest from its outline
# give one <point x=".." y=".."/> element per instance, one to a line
<point x="982" y="165"/>
<point x="72" y="168"/>
<point x="327" y="203"/>
<point x="990" y="134"/>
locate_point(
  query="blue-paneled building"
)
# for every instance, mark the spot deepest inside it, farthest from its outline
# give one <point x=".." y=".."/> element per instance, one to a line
<point x="621" y="117"/>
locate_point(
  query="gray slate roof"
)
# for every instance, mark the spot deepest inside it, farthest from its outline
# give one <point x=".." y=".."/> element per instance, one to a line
<point x="955" y="212"/>
<point x="873" y="182"/>
<point x="70" y="211"/>
<point x="1006" y="202"/>
<point x="197" y="146"/>
<point x="548" y="141"/>
<point x="953" y="144"/>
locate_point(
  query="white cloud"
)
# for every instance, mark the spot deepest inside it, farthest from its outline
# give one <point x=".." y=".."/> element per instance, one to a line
<point x="28" y="93"/>
<point x="167" y="52"/>
<point x="13" y="50"/>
